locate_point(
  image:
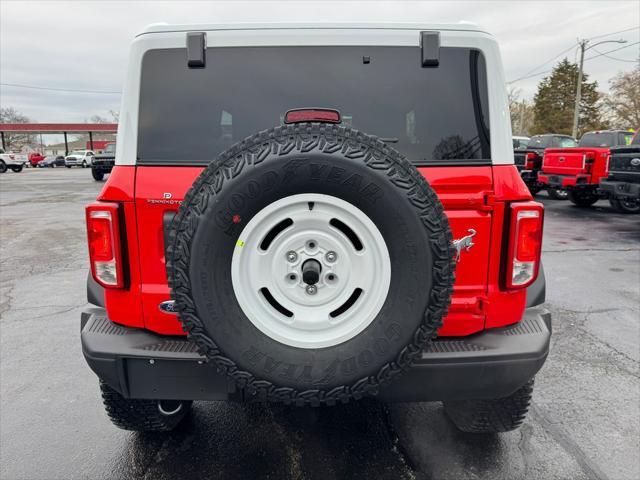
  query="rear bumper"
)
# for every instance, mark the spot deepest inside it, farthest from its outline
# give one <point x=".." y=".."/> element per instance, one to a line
<point x="491" y="364"/>
<point x="102" y="166"/>
<point x="620" y="189"/>
<point x="563" y="181"/>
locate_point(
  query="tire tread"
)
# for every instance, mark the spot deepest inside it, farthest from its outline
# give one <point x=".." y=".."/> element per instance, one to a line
<point x="491" y="416"/>
<point x="305" y="138"/>
<point x="139" y="415"/>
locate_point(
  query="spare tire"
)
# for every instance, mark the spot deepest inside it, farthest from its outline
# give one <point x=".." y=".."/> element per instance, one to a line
<point x="311" y="263"/>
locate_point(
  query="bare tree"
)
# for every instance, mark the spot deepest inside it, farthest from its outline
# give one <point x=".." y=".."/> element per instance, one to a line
<point x="15" y="141"/>
<point x="115" y="115"/>
<point x="522" y="116"/>
<point x="97" y="119"/>
<point x="622" y="104"/>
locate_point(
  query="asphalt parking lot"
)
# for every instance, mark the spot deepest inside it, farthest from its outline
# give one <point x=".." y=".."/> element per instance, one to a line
<point x="585" y="420"/>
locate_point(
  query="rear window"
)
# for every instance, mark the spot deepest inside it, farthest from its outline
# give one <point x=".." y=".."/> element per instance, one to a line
<point x="428" y="114"/>
<point x="636" y="140"/>
<point x="566" y="142"/>
<point x="602" y="139"/>
<point x="538" y="141"/>
<point x="520" y="142"/>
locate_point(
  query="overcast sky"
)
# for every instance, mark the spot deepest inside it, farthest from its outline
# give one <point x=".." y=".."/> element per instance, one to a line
<point x="84" y="44"/>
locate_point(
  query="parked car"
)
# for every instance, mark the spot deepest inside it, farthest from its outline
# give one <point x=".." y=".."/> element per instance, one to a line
<point x="528" y="159"/>
<point x="519" y="142"/>
<point x="35" y="158"/>
<point x="52" y="161"/>
<point x="579" y="170"/>
<point x="103" y="162"/>
<point x="312" y="263"/>
<point x="11" y="161"/>
<point x="622" y="186"/>
<point x="79" y="158"/>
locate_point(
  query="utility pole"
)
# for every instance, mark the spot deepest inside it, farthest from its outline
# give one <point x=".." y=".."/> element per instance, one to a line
<point x="584" y="48"/>
<point x="576" y="109"/>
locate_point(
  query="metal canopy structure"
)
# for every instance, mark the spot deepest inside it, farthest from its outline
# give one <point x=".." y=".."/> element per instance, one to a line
<point x="63" y="128"/>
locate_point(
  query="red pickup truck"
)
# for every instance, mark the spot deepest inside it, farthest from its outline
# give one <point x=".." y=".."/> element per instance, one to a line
<point x="580" y="169"/>
<point x="35" y="158"/>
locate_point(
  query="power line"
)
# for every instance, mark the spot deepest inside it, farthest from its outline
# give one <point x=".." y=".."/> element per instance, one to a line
<point x="611" y="51"/>
<point x="529" y="74"/>
<point x="542" y="64"/>
<point x="35" y="87"/>
<point x="588" y="58"/>
<point x="614" y="33"/>
<point x="614" y="58"/>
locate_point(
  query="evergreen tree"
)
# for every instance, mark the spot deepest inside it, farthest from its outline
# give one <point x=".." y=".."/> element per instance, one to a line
<point x="554" y="102"/>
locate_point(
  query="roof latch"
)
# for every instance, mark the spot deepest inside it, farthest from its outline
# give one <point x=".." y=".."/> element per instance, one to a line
<point x="196" y="47"/>
<point x="430" y="46"/>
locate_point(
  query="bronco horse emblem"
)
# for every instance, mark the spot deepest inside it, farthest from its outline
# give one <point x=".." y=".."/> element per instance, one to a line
<point x="464" y="243"/>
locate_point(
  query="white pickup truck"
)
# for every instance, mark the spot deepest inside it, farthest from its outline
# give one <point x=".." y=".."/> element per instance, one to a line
<point x="79" y="158"/>
<point x="11" y="161"/>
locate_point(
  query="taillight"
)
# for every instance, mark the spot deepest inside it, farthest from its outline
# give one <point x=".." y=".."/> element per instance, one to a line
<point x="529" y="163"/>
<point x="525" y="244"/>
<point x="105" y="249"/>
<point x="588" y="162"/>
<point x="312" y="115"/>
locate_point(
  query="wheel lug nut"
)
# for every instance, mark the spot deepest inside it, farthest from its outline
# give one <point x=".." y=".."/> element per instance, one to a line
<point x="292" y="256"/>
<point x="331" y="256"/>
<point x="311" y="289"/>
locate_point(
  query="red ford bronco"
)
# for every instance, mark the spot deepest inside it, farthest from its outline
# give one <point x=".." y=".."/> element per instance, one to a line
<point x="579" y="170"/>
<point x="287" y="210"/>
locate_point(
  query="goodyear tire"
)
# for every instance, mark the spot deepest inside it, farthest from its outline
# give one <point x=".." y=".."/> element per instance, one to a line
<point x="275" y="238"/>
<point x="491" y="416"/>
<point x="143" y="415"/>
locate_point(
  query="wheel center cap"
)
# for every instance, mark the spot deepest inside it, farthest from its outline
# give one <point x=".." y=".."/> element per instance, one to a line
<point x="311" y="271"/>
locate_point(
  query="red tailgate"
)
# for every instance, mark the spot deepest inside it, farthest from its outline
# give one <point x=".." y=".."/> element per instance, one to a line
<point x="564" y="161"/>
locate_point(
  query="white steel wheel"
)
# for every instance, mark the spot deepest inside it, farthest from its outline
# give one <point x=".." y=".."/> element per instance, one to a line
<point x="311" y="271"/>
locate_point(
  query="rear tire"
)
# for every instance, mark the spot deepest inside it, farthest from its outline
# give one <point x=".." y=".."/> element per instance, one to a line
<point x="97" y="176"/>
<point x="68" y="166"/>
<point x="234" y="197"/>
<point x="491" y="416"/>
<point x="625" y="205"/>
<point x="143" y="415"/>
<point x="84" y="164"/>
<point x="17" y="169"/>
<point x="3" y="166"/>
<point x="582" y="199"/>
<point x="557" y="194"/>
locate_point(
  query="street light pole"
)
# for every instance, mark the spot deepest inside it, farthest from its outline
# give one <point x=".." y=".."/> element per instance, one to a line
<point x="576" y="108"/>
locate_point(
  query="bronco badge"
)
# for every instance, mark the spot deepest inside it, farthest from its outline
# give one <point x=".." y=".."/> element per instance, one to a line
<point x="464" y="243"/>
